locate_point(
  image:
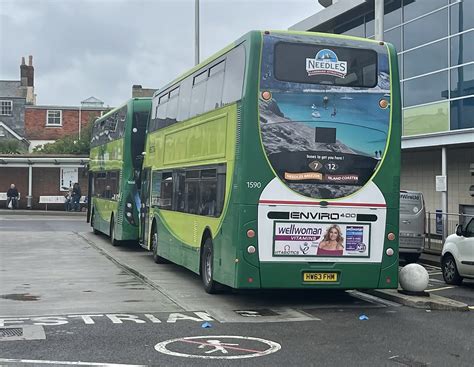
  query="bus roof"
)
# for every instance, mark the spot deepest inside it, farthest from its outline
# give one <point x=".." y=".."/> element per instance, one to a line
<point x="248" y="35"/>
<point x="115" y="109"/>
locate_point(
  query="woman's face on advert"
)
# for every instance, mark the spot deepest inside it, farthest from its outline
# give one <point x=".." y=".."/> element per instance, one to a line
<point x="333" y="233"/>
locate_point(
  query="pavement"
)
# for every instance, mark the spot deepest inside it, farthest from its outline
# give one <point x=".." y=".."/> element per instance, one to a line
<point x="428" y="302"/>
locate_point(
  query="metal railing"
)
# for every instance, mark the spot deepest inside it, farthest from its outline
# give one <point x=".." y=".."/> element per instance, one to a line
<point x="439" y="226"/>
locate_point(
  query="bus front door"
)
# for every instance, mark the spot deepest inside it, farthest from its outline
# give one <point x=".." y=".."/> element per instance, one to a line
<point x="145" y="207"/>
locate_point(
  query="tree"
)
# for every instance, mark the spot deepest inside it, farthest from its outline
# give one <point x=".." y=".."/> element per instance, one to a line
<point x="10" y="146"/>
<point x="70" y="144"/>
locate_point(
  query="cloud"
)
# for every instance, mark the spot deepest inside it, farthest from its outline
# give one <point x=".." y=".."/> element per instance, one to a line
<point x="101" y="48"/>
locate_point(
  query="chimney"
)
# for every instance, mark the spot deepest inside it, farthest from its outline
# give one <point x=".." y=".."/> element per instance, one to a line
<point x="31" y="72"/>
<point x="23" y="73"/>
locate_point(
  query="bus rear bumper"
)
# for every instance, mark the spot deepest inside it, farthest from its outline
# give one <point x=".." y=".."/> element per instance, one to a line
<point x="327" y="276"/>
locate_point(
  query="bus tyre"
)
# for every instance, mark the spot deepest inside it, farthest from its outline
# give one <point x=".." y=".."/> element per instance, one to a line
<point x="113" y="241"/>
<point x="207" y="268"/>
<point x="450" y="270"/>
<point x="154" y="247"/>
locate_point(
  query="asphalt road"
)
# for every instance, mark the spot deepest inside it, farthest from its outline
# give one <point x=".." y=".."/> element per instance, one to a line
<point x="68" y="294"/>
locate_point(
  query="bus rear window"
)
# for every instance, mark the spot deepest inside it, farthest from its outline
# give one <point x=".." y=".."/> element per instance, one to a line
<point x="326" y="65"/>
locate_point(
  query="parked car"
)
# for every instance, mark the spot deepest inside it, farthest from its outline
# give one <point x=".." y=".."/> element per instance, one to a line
<point x="412" y="225"/>
<point x="457" y="257"/>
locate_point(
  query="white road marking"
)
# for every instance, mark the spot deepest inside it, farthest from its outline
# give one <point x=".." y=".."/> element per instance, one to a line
<point x="214" y="341"/>
<point x="439" y="289"/>
<point x="37" y="361"/>
<point x="117" y="319"/>
<point x="470" y="307"/>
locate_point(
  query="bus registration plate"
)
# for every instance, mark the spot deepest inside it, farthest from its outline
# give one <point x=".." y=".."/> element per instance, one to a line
<point x="320" y="277"/>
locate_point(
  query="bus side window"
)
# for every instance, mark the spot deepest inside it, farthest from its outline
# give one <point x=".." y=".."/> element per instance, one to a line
<point x="234" y="75"/>
<point x="214" y="87"/>
<point x="166" y="199"/>
<point x="198" y="94"/>
<point x="184" y="104"/>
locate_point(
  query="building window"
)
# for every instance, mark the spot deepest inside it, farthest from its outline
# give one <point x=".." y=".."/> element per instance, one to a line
<point x="54" y="118"/>
<point x="6" y="108"/>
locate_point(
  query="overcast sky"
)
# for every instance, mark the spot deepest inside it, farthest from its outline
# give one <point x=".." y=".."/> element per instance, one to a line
<point x="100" y="48"/>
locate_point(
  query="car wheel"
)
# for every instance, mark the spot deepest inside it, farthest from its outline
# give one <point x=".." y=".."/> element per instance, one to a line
<point x="154" y="247"/>
<point x="450" y="270"/>
<point x="207" y="268"/>
<point x="113" y="241"/>
<point x="411" y="258"/>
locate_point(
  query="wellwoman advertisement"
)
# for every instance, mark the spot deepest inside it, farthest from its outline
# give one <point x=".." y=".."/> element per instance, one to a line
<point x="321" y="239"/>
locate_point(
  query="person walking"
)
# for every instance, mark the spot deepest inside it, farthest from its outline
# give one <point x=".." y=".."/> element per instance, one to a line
<point x="12" y="197"/>
<point x="76" y="197"/>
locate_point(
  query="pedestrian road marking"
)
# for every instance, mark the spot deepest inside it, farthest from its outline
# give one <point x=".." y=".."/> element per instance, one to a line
<point x="204" y="346"/>
<point x="115" y="318"/>
<point x="38" y="361"/>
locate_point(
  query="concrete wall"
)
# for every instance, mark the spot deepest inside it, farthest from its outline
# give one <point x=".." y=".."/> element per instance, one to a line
<point x="420" y="168"/>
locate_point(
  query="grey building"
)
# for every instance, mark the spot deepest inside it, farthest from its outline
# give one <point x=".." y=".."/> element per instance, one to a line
<point x="434" y="40"/>
<point x="14" y="95"/>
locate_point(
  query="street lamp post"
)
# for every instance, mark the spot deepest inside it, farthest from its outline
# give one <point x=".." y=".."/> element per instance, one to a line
<point x="379" y="10"/>
<point x="196" y="32"/>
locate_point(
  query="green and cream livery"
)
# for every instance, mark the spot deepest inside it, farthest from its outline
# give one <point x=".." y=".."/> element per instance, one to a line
<point x="275" y="164"/>
<point x="118" y="138"/>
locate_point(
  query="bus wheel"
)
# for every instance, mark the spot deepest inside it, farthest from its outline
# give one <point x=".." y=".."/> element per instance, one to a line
<point x="113" y="241"/>
<point x="94" y="230"/>
<point x="154" y="247"/>
<point x="207" y="268"/>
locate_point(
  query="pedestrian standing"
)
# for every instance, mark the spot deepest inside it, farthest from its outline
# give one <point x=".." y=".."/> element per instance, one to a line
<point x="76" y="197"/>
<point x="12" y="197"/>
<point x="68" y="201"/>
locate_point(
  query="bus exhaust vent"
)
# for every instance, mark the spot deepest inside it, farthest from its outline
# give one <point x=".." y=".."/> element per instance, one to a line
<point x="6" y="333"/>
<point x="239" y="131"/>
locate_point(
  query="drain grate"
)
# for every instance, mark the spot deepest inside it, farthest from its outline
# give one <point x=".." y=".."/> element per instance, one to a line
<point x="10" y="332"/>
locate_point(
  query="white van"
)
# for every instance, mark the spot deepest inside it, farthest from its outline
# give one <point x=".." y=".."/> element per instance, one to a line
<point x="412" y="225"/>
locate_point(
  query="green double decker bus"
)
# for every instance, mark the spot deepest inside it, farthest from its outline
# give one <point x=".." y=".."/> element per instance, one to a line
<point x="118" y="137"/>
<point x="275" y="164"/>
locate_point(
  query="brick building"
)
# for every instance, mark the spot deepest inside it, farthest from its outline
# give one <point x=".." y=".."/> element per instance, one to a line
<point x="40" y="175"/>
<point x="45" y="124"/>
<point x="14" y="96"/>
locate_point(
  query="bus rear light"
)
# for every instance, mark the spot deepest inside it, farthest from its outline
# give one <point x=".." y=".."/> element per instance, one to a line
<point x="129" y="214"/>
<point x="389" y="251"/>
<point x="250" y="280"/>
<point x="250" y="233"/>
<point x="129" y="205"/>
<point x="266" y="95"/>
<point x="251" y="249"/>
<point x="383" y="103"/>
<point x="388" y="280"/>
<point x="391" y="236"/>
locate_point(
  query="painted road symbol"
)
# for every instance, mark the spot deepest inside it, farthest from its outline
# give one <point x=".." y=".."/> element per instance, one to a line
<point x="218" y="347"/>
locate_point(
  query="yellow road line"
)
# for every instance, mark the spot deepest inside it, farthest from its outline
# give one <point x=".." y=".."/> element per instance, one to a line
<point x="439" y="289"/>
